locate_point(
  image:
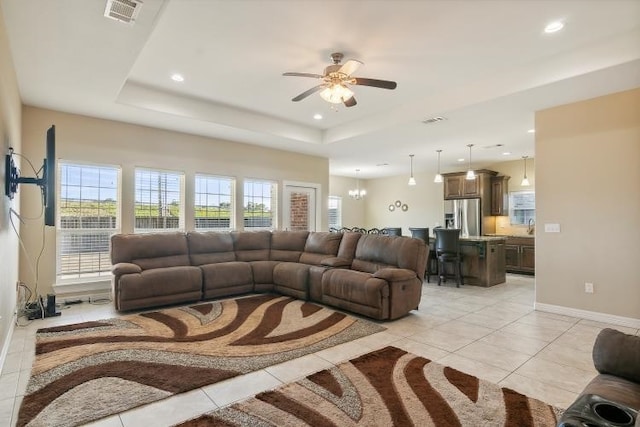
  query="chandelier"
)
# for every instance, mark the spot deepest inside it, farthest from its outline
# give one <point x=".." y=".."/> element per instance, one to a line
<point x="358" y="193"/>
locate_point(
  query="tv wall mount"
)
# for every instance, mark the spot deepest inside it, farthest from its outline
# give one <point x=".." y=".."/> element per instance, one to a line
<point x="13" y="177"/>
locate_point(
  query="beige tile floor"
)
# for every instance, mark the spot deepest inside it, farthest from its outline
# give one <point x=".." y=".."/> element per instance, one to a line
<point x="492" y="333"/>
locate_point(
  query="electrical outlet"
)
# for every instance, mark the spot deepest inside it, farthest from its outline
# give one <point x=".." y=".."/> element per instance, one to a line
<point x="588" y="287"/>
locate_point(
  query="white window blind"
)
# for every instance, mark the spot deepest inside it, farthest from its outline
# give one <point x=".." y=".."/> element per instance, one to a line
<point x="214" y="198"/>
<point x="260" y="200"/>
<point x="522" y="207"/>
<point x="88" y="213"/>
<point x="158" y="201"/>
<point x="335" y="212"/>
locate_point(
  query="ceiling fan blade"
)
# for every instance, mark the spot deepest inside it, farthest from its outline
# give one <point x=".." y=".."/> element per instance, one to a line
<point x="350" y="102"/>
<point x="315" y="76"/>
<point x="384" y="84"/>
<point x="308" y="92"/>
<point x="350" y="67"/>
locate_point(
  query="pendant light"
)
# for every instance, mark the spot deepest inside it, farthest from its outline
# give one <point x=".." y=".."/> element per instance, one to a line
<point x="470" y="173"/>
<point x="438" y="177"/>
<point x="525" y="180"/>
<point x="412" y="180"/>
<point x="357" y="194"/>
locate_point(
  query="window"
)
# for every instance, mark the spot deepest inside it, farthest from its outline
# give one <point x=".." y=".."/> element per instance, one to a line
<point x="259" y="205"/>
<point x="159" y="201"/>
<point x="214" y="203"/>
<point x="335" y="212"/>
<point x="88" y="213"/>
<point x="522" y="207"/>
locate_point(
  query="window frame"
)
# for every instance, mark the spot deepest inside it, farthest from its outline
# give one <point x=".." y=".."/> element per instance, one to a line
<point x="338" y="208"/>
<point x="181" y="204"/>
<point x="512" y="208"/>
<point x="275" y="194"/>
<point x="79" y="276"/>
<point x="232" y="208"/>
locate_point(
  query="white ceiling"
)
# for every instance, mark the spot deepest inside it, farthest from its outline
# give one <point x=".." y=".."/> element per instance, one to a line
<point x="484" y="65"/>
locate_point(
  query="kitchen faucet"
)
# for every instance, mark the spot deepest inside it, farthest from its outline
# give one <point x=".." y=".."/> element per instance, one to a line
<point x="531" y="226"/>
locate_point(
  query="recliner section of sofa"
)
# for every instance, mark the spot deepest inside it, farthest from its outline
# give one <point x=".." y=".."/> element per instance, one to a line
<point x="378" y="276"/>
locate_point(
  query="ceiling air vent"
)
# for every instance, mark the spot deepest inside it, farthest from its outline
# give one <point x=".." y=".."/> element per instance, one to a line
<point x="123" y="10"/>
<point x="433" y="120"/>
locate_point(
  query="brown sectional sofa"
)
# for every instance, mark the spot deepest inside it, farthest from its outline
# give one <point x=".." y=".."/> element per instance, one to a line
<point x="374" y="275"/>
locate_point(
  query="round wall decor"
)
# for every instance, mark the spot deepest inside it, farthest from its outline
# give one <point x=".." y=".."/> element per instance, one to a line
<point x="405" y="207"/>
<point x="392" y="208"/>
<point x="398" y="203"/>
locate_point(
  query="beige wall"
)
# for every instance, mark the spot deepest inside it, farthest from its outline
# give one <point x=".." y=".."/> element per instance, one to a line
<point x="425" y="202"/>
<point x="86" y="139"/>
<point x="10" y="111"/>
<point x="352" y="210"/>
<point x="596" y="201"/>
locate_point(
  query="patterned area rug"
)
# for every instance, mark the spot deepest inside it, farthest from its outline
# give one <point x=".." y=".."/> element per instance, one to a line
<point x="90" y="370"/>
<point x="387" y="387"/>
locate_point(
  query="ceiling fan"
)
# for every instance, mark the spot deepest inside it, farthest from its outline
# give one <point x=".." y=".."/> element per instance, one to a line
<point x="336" y="80"/>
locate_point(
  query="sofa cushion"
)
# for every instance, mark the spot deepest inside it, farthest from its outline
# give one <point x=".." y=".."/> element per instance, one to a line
<point x="287" y="245"/>
<point x="292" y="278"/>
<point x="348" y="244"/>
<point x="356" y="286"/>
<point x="210" y="247"/>
<point x="617" y="353"/>
<point x="251" y="245"/>
<point x="319" y="246"/>
<point x="158" y="282"/>
<point x="150" y="251"/>
<point x="226" y="275"/>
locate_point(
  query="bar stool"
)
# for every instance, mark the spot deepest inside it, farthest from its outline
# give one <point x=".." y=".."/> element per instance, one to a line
<point x="423" y="233"/>
<point x="392" y="231"/>
<point x="448" y="252"/>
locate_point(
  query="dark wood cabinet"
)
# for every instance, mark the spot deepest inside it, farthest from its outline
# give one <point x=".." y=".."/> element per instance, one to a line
<point x="453" y="187"/>
<point x="500" y="195"/>
<point x="457" y="186"/>
<point x="483" y="262"/>
<point x="520" y="255"/>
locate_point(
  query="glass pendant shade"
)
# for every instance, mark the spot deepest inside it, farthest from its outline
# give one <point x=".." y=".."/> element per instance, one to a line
<point x="525" y="180"/>
<point x="412" y="180"/>
<point x="470" y="173"/>
<point x="438" y="177"/>
<point x="336" y="94"/>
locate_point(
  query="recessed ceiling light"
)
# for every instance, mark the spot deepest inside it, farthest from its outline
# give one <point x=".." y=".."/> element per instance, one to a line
<point x="461" y="160"/>
<point x="531" y="131"/>
<point x="177" y="77"/>
<point x="554" y="26"/>
<point x="317" y="116"/>
<point x="506" y="153"/>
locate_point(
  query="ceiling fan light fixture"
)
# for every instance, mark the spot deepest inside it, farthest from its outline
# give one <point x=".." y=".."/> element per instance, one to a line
<point x="336" y="94"/>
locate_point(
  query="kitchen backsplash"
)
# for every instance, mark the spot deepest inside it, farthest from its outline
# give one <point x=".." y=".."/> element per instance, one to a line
<point x="503" y="226"/>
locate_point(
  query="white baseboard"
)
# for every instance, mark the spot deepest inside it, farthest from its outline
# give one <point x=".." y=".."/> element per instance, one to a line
<point x="629" y="322"/>
<point x="7" y="343"/>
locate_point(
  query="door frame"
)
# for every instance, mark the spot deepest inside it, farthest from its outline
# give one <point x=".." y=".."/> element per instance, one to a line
<point x="308" y="186"/>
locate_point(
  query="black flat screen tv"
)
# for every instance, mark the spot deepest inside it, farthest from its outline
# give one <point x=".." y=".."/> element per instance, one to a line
<point x="49" y="175"/>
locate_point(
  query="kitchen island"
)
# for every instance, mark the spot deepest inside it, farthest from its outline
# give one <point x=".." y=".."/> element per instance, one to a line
<point x="483" y="260"/>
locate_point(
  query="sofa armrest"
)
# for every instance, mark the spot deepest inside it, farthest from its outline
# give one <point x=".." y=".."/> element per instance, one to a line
<point x="125" y="268"/>
<point x="395" y="274"/>
<point x="336" y="262"/>
<point x="617" y="353"/>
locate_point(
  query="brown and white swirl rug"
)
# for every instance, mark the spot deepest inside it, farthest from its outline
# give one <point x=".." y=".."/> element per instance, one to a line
<point x="387" y="387"/>
<point x="86" y="371"/>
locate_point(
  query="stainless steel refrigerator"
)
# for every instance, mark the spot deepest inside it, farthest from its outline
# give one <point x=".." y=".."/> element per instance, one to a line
<point x="464" y="214"/>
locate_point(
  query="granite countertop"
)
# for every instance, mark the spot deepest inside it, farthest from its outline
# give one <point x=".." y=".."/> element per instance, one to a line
<point x="483" y="238"/>
<point x="526" y="236"/>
